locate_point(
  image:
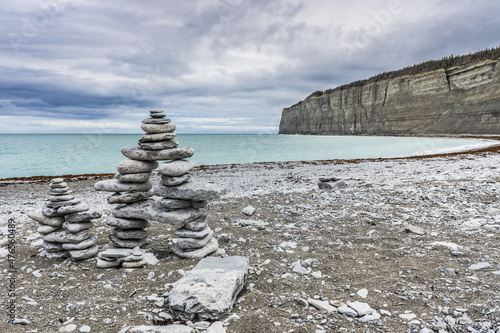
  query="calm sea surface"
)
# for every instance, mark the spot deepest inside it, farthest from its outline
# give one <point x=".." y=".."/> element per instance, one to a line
<point x="23" y="155"/>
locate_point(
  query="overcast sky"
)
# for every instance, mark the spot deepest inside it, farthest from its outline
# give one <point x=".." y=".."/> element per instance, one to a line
<point x="214" y="66"/>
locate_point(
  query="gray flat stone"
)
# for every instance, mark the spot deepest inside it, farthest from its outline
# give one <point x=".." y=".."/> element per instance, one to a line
<point x="64" y="236"/>
<point x="155" y="121"/>
<point x="174" y="181"/>
<point x="174" y="328"/>
<point x="115" y="253"/>
<point x="128" y="197"/>
<point x="52" y="247"/>
<point x="141" y="177"/>
<point x="83" y="216"/>
<point x="129" y="243"/>
<point x="126" y="223"/>
<point x="133" y="166"/>
<point x="58" y="185"/>
<point x="199" y="224"/>
<point x="186" y="233"/>
<point x="62" y="190"/>
<point x="194" y="243"/>
<point x="209" y="291"/>
<point x="79" y="226"/>
<point x="72" y="209"/>
<point x="50" y="212"/>
<point x="38" y="216"/>
<point x="137" y="153"/>
<point x="107" y="264"/>
<point x="57" y="180"/>
<point x="158" y="128"/>
<point x="114" y="185"/>
<point x="55" y="255"/>
<point x="208" y="249"/>
<point x="175" y="168"/>
<point x="158" y="115"/>
<point x="159" y="145"/>
<point x="134" y="264"/>
<point x="190" y="191"/>
<point x="85" y="244"/>
<point x="56" y="198"/>
<point x="151" y="210"/>
<point x="57" y="204"/>
<point x="47" y="229"/>
<point x="156" y="137"/>
<point x="136" y="234"/>
<point x="175" y="203"/>
<point x="91" y="252"/>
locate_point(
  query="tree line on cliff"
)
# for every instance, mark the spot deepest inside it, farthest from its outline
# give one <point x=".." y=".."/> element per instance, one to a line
<point x="444" y="63"/>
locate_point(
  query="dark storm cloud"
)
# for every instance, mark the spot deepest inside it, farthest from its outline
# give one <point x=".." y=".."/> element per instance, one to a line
<point x="219" y="59"/>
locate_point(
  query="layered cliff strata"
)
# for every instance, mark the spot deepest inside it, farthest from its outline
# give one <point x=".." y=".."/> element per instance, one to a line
<point x="459" y="100"/>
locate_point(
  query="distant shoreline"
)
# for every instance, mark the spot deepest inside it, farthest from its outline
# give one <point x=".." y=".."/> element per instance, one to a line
<point x="493" y="148"/>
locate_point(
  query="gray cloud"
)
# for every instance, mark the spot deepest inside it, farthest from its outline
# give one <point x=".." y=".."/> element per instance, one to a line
<point x="207" y="62"/>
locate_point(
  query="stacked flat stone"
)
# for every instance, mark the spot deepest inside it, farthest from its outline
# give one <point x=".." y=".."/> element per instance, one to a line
<point x="131" y="187"/>
<point x="65" y="223"/>
<point x="181" y="199"/>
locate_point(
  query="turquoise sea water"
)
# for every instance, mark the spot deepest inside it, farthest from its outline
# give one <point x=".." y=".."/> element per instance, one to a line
<point x="23" y="155"/>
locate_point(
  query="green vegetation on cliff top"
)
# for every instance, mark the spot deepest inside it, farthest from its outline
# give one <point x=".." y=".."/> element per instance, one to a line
<point x="445" y="63"/>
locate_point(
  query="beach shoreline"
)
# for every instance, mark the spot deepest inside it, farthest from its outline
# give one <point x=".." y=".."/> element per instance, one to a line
<point x="350" y="238"/>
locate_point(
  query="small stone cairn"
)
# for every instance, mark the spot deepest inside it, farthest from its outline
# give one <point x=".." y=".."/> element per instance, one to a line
<point x="74" y="239"/>
<point x="180" y="203"/>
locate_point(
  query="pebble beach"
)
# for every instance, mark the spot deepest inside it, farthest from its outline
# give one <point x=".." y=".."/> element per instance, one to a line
<point x="413" y="239"/>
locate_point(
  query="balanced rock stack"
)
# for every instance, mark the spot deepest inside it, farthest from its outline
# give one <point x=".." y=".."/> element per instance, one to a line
<point x="74" y="239"/>
<point x="131" y="187"/>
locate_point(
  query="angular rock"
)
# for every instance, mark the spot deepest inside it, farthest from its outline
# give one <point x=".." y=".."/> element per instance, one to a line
<point x="322" y="305"/>
<point x="133" y="166"/>
<point x="56" y="255"/>
<point x="126" y="223"/>
<point x="175" y="168"/>
<point x="85" y="253"/>
<point x="159" y="145"/>
<point x="249" y="210"/>
<point x="209" y="290"/>
<point x="130" y="233"/>
<point x="72" y="209"/>
<point x="77" y="227"/>
<point x="190" y="191"/>
<point x="199" y="224"/>
<point x="158" y="128"/>
<point x="107" y="264"/>
<point x="85" y="244"/>
<point x="128" y="197"/>
<point x="129" y="243"/>
<point x="360" y="307"/>
<point x="156" y="137"/>
<point x="83" y="216"/>
<point x="40" y="217"/>
<point x="64" y="236"/>
<point x="186" y="233"/>
<point x="194" y="243"/>
<point x="208" y="249"/>
<point x="148" y="209"/>
<point x="137" y="153"/>
<point x="414" y="229"/>
<point x="174" y="181"/>
<point x="141" y="177"/>
<point x="114" y="185"/>
<point x="175" y="203"/>
<point x="52" y="247"/>
<point x="344" y="309"/>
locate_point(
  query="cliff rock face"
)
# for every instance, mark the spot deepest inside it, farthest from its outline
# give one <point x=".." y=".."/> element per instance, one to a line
<point x="459" y="100"/>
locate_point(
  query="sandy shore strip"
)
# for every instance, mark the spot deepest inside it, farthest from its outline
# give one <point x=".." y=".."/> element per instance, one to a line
<point x="352" y="243"/>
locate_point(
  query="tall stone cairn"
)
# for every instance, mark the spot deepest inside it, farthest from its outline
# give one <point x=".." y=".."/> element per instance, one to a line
<point x="65" y="223"/>
<point x="129" y="219"/>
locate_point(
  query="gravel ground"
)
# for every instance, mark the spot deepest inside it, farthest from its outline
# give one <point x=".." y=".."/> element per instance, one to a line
<point x="351" y="243"/>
